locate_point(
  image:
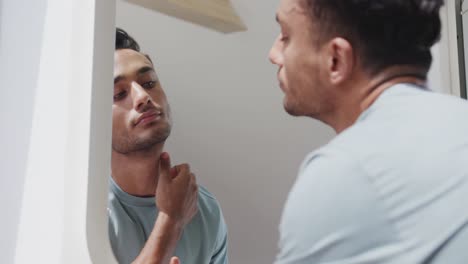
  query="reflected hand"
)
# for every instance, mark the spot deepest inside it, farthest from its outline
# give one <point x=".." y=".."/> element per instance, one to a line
<point x="177" y="191"/>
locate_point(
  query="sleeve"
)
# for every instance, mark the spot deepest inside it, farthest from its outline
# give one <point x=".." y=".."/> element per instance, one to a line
<point x="220" y="254"/>
<point x="333" y="215"/>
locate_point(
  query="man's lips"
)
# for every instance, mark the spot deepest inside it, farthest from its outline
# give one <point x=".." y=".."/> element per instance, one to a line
<point x="148" y="117"/>
<point x="280" y="83"/>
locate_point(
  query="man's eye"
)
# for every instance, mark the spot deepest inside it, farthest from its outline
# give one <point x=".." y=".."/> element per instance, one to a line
<point x="149" y="85"/>
<point x="120" y="95"/>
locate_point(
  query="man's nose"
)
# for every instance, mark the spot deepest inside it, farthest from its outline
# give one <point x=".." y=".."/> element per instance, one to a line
<point x="140" y="96"/>
<point x="275" y="53"/>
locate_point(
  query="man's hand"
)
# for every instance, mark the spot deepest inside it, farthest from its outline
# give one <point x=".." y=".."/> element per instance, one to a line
<point x="177" y="191"/>
<point x="176" y="199"/>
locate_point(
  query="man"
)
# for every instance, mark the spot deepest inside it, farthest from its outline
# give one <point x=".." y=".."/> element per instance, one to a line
<point x="392" y="186"/>
<point x="155" y="211"/>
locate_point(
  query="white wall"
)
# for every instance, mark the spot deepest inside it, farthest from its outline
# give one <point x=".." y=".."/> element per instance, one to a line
<point x="56" y="60"/>
<point x="20" y="45"/>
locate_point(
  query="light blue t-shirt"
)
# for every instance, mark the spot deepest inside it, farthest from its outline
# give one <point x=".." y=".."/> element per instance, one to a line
<point x="392" y="188"/>
<point x="131" y="220"/>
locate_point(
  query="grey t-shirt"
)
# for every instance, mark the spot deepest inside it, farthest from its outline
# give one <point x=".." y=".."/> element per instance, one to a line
<point x="393" y="188"/>
<point x="131" y="220"/>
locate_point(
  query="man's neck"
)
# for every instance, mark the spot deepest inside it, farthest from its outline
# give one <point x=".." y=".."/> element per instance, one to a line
<point x="137" y="173"/>
<point x="365" y="91"/>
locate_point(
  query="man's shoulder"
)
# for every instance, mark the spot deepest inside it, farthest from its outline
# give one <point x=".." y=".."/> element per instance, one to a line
<point x="205" y="194"/>
<point x="209" y="219"/>
<point x="208" y="205"/>
<point x="333" y="193"/>
<point x="344" y="151"/>
<point x="330" y="159"/>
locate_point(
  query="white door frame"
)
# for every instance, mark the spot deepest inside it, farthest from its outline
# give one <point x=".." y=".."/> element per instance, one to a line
<point x="461" y="16"/>
<point x="63" y="215"/>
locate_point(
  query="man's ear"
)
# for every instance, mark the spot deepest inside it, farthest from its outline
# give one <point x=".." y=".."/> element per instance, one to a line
<point x="340" y="60"/>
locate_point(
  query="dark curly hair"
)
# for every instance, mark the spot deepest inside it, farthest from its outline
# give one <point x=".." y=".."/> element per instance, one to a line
<point x="383" y="32"/>
<point x="124" y="41"/>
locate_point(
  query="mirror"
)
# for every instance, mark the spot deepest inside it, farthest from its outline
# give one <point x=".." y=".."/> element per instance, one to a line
<point x="462" y="31"/>
<point x="228" y="119"/>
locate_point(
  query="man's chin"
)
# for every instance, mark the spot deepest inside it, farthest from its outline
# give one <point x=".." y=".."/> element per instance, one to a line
<point x="155" y="137"/>
<point x="159" y="131"/>
<point x="141" y="142"/>
<point x="147" y="144"/>
<point x="291" y="109"/>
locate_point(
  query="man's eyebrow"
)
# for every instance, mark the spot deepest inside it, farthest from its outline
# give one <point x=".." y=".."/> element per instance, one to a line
<point x="144" y="70"/>
<point x="277" y="18"/>
<point x="118" y="78"/>
<point x="141" y="71"/>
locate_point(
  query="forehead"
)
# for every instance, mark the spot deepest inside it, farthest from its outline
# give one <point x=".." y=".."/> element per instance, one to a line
<point x="291" y="7"/>
<point x="294" y="15"/>
<point x="127" y="61"/>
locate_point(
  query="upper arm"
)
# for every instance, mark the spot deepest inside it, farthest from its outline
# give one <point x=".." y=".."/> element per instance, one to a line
<point x="220" y="253"/>
<point x="216" y="231"/>
<point x="333" y="213"/>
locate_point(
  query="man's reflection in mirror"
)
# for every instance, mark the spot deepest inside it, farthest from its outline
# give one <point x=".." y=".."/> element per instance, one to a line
<point x="156" y="210"/>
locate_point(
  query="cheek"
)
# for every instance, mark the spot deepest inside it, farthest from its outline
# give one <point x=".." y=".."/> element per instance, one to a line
<point x="292" y="63"/>
<point x="168" y="112"/>
<point x="291" y="74"/>
<point x="159" y="97"/>
<point x="119" y="120"/>
<point x="303" y="65"/>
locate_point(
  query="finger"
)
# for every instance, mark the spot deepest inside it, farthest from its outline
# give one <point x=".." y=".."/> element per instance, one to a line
<point x="183" y="169"/>
<point x="195" y="204"/>
<point x="193" y="182"/>
<point x="165" y="165"/>
<point x="174" y="260"/>
<point x="174" y="172"/>
<point x="193" y="178"/>
<point x="194" y="193"/>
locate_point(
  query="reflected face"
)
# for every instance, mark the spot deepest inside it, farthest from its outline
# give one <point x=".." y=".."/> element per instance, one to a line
<point x="140" y="112"/>
<point x="299" y="60"/>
